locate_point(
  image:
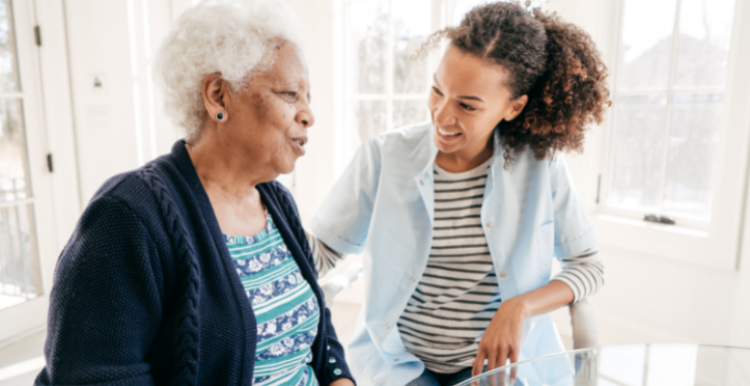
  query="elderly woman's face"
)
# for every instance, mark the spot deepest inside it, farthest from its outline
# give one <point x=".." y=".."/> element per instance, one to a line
<point x="269" y="120"/>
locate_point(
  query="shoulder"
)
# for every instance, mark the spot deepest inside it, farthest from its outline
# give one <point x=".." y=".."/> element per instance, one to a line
<point x="405" y="148"/>
<point x="127" y="188"/>
<point x="122" y="211"/>
<point x="277" y="195"/>
<point x="137" y="191"/>
<point x="405" y="137"/>
<point x="280" y="203"/>
<point x="557" y="161"/>
<point x="278" y="191"/>
<point x="114" y="225"/>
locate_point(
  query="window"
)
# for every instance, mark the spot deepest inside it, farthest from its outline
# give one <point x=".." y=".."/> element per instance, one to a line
<point x="384" y="86"/>
<point x="670" y="86"/>
<point x="20" y="273"/>
<point x="676" y="114"/>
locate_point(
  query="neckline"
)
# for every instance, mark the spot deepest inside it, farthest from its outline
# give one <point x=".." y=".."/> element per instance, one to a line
<point x="479" y="170"/>
<point x="260" y="235"/>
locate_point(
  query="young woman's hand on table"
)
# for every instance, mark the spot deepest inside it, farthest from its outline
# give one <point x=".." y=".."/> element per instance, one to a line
<point x="502" y="338"/>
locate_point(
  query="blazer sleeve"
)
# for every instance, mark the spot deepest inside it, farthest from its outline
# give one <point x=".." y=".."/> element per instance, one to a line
<point x="573" y="231"/>
<point x="105" y="303"/>
<point x="343" y="221"/>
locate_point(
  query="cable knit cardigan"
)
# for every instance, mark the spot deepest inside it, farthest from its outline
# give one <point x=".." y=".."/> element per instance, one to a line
<point x="146" y="293"/>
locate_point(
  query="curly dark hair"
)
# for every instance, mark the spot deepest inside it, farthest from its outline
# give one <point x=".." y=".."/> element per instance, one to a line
<point x="554" y="62"/>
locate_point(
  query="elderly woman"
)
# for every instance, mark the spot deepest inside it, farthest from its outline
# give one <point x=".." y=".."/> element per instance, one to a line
<point x="194" y="269"/>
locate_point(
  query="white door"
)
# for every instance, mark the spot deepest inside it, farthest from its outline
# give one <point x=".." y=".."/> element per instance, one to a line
<point x="28" y="247"/>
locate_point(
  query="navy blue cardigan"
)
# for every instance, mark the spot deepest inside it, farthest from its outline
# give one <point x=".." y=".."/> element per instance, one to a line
<point x="146" y="293"/>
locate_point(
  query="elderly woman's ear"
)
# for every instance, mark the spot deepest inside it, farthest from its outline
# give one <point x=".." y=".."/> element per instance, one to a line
<point x="215" y="92"/>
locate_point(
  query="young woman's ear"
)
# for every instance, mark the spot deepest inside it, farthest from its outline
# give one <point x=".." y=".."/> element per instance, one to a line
<point x="516" y="106"/>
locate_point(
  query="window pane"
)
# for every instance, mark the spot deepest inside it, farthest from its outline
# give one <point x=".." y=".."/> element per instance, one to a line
<point x="646" y="44"/>
<point x="703" y="46"/>
<point x="411" y="26"/>
<point x="13" y="174"/>
<point x="368" y="46"/>
<point x="369" y="118"/>
<point x="20" y="274"/>
<point x="693" y="137"/>
<point x="9" y="80"/>
<point x="638" y="150"/>
<point x="409" y="112"/>
<point x="20" y="278"/>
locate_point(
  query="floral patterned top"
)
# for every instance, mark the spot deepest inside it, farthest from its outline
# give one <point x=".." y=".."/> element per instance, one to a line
<point x="286" y="310"/>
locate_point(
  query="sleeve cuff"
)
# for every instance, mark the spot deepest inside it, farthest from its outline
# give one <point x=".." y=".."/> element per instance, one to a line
<point x="332" y="240"/>
<point x="576" y="246"/>
<point x="336" y="369"/>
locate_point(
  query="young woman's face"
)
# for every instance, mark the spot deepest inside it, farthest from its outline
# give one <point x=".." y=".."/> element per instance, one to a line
<point x="468" y="99"/>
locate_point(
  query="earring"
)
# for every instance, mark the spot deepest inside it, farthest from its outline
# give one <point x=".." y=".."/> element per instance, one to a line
<point x="220" y="116"/>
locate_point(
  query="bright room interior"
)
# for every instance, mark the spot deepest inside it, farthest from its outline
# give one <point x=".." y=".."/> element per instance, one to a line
<point x="79" y="105"/>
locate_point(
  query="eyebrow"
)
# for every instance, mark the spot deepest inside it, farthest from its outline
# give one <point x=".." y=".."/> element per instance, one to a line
<point x="465" y="97"/>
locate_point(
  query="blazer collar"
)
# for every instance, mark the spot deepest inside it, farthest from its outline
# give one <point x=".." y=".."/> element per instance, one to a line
<point x="433" y="151"/>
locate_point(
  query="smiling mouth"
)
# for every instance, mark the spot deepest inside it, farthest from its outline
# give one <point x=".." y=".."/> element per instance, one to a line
<point x="447" y="133"/>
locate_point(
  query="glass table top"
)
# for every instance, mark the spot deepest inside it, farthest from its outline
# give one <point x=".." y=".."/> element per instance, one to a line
<point x="628" y="365"/>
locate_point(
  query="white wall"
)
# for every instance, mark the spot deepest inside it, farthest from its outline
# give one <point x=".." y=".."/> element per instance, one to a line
<point x="114" y="42"/>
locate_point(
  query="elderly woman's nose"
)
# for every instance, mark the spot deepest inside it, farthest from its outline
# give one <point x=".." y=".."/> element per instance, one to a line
<point x="306" y="118"/>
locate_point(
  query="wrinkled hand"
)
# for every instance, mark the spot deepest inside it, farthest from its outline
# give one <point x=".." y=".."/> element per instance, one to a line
<point x="342" y="382"/>
<point x="502" y="339"/>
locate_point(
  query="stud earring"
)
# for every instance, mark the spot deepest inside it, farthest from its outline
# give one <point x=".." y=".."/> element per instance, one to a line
<point x="220" y="116"/>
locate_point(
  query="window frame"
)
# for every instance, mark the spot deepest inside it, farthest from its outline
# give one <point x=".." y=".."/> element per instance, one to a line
<point x="712" y="243"/>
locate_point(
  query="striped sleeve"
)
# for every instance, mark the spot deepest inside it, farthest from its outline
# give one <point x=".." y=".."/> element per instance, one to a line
<point x="583" y="273"/>
<point x="325" y="258"/>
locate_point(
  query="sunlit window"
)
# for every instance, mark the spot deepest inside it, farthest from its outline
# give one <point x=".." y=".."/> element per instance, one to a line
<point x="385" y="87"/>
<point x="670" y="84"/>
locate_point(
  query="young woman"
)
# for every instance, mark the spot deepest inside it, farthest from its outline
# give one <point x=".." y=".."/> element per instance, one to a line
<point x="461" y="217"/>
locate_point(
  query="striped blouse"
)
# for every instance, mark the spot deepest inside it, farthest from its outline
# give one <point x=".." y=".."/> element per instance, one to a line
<point x="285" y="307"/>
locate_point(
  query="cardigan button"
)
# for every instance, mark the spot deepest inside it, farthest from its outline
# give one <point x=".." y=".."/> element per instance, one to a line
<point x="503" y="274"/>
<point x="421" y="182"/>
<point x="332" y="360"/>
<point x="337" y="371"/>
<point x="413" y="279"/>
<point x="387" y="326"/>
<point x="489" y="224"/>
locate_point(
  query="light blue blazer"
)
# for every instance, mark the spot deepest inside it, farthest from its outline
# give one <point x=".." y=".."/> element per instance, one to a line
<point x="383" y="206"/>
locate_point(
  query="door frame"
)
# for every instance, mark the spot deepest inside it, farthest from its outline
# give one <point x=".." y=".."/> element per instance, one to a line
<point x="49" y="129"/>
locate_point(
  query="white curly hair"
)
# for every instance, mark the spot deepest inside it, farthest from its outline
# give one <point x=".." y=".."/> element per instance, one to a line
<point x="230" y="37"/>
